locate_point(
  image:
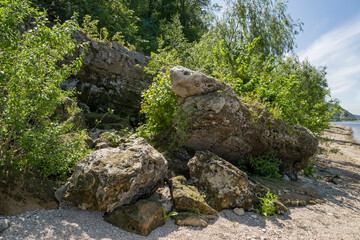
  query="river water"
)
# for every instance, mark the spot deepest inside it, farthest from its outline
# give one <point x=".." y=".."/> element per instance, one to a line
<point x="355" y="125"/>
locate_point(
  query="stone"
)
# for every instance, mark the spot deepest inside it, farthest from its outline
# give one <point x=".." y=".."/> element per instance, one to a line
<point x="4" y="224"/>
<point x="163" y="195"/>
<point x="292" y="194"/>
<point x="280" y="208"/>
<point x="24" y="190"/>
<point x="191" y="219"/>
<point x="106" y="121"/>
<point x="112" y="177"/>
<point x="114" y="138"/>
<point x="239" y="211"/>
<point x="111" y="76"/>
<point x="89" y="142"/>
<point x="219" y="121"/>
<point x="225" y="185"/>
<point x="101" y="145"/>
<point x="178" y="159"/>
<point x="140" y="218"/>
<point x="188" y="198"/>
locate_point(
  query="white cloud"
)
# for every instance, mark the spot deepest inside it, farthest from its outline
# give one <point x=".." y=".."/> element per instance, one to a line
<point x="339" y="51"/>
<point x="358" y="96"/>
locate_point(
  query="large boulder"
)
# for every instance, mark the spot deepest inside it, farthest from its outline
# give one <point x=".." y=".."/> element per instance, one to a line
<point x="140" y="218"/>
<point x="111" y="177"/>
<point x="224" y="184"/>
<point x="111" y="76"/>
<point x="218" y="120"/>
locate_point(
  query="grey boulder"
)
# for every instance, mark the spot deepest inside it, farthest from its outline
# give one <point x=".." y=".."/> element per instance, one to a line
<point x="112" y="177"/>
<point x="219" y="121"/>
<point x="225" y="186"/>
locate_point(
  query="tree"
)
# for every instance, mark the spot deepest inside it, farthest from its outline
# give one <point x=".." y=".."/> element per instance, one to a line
<point x="266" y="20"/>
<point x="113" y="14"/>
<point x="30" y="77"/>
<point x="138" y="21"/>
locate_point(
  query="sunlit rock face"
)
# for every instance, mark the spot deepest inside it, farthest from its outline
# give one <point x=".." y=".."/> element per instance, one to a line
<point x="220" y="121"/>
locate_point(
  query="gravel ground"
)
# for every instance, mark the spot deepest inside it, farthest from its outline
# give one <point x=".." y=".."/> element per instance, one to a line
<point x="337" y="218"/>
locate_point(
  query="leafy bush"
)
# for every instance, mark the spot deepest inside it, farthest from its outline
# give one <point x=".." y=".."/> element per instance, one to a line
<point x="266" y="165"/>
<point x="114" y="15"/>
<point x="159" y="104"/>
<point x="31" y="71"/>
<point x="267" y="207"/>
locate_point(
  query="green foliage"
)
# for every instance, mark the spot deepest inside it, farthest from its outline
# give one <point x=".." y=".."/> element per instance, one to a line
<point x="194" y="210"/>
<point x="193" y="16"/>
<point x="168" y="216"/>
<point x="341" y="114"/>
<point x="138" y="22"/>
<point x="266" y="20"/>
<point x="293" y="90"/>
<point x="266" y="165"/>
<point x="308" y="171"/>
<point x="31" y="71"/>
<point x="113" y="15"/>
<point x="335" y="150"/>
<point x="159" y="104"/>
<point x="241" y="50"/>
<point x="116" y="138"/>
<point x="267" y="207"/>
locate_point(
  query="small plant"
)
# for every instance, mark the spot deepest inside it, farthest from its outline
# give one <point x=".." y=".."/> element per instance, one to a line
<point x="266" y="165"/>
<point x="335" y="150"/>
<point x="309" y="171"/>
<point x="241" y="165"/>
<point x="194" y="210"/>
<point x="267" y="207"/>
<point x="168" y="216"/>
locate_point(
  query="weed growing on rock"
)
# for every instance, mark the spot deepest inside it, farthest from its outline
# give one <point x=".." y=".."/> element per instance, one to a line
<point x="194" y="210"/>
<point x="309" y="171"/>
<point x="168" y="216"/>
<point x="267" y="206"/>
<point x="335" y="150"/>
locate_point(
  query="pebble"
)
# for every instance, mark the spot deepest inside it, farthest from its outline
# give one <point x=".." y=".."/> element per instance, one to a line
<point x="239" y="211"/>
<point x="253" y="216"/>
<point x="4" y="224"/>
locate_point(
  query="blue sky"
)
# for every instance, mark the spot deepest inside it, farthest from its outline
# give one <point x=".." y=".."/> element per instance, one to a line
<point x="331" y="38"/>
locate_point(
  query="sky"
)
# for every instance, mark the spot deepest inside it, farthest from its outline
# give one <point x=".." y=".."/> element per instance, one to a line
<point x="331" y="38"/>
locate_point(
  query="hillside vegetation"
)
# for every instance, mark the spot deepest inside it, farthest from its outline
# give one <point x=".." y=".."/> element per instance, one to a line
<point x="250" y="47"/>
<point x="343" y="115"/>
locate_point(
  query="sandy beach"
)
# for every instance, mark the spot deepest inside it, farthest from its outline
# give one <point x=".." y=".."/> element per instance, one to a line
<point x="336" y="179"/>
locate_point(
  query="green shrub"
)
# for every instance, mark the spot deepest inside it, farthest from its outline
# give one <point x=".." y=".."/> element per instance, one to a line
<point x="159" y="105"/>
<point x="266" y="165"/>
<point x="267" y="207"/>
<point x="31" y="70"/>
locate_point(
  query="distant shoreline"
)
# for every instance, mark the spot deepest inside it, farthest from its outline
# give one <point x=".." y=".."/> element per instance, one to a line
<point x="354" y="132"/>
